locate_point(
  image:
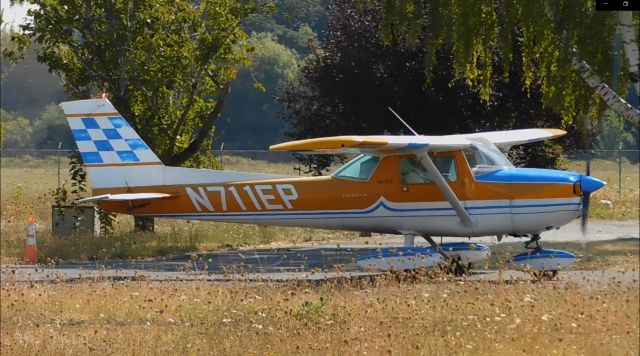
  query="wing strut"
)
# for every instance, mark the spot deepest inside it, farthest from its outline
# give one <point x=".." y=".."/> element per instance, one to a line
<point x="446" y="190"/>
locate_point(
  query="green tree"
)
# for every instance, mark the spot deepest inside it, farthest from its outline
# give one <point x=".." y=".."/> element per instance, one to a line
<point x="615" y="133"/>
<point x="566" y="47"/>
<point x="166" y="64"/>
<point x="348" y="82"/>
<point x="271" y="63"/>
<point x="280" y="37"/>
<point x="15" y="132"/>
<point x="27" y="86"/>
<point x="294" y="23"/>
<point x="51" y="129"/>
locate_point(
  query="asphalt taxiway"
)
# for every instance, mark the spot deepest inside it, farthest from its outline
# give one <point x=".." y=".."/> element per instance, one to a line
<point x="311" y="263"/>
<point x="266" y="265"/>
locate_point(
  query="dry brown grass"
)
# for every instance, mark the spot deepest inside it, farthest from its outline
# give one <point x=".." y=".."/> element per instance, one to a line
<point x="624" y="197"/>
<point x="26" y="182"/>
<point x="280" y="319"/>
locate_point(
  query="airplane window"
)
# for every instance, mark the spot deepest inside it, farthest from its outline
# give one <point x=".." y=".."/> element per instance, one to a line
<point x="470" y="155"/>
<point x="447" y="166"/>
<point x="359" y="168"/>
<point x="412" y="172"/>
<point x="484" y="157"/>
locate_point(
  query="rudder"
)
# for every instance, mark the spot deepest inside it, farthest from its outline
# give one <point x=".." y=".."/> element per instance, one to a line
<point x="103" y="136"/>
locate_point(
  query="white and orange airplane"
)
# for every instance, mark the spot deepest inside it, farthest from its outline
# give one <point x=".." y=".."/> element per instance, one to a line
<point x="455" y="185"/>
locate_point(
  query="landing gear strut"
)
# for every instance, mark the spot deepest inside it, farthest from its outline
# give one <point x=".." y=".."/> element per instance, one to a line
<point x="535" y="238"/>
<point x="456" y="267"/>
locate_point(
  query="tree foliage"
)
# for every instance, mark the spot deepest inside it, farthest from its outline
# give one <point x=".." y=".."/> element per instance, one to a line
<point x="51" y="129"/>
<point x="15" y="132"/>
<point x="615" y="133"/>
<point x="166" y="65"/>
<point x="26" y="85"/>
<point x="566" y="46"/>
<point x="271" y="63"/>
<point x="280" y="37"/>
<point x="346" y="85"/>
<point x="293" y="22"/>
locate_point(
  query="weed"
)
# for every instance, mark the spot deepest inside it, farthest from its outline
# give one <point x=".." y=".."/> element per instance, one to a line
<point x="311" y="312"/>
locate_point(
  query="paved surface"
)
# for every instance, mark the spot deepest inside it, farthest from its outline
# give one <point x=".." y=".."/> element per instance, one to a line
<point x="253" y="264"/>
<point x="282" y="264"/>
<point x="587" y="279"/>
<point x="320" y="262"/>
<point x="598" y="230"/>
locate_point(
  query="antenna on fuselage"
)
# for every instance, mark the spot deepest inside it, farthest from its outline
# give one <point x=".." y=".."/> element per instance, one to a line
<point x="405" y="124"/>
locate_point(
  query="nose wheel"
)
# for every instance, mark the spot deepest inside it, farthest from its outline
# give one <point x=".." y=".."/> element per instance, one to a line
<point x="535" y="239"/>
<point x="544" y="263"/>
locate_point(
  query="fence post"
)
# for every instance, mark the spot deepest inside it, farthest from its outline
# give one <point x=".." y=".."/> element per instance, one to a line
<point x="620" y="169"/>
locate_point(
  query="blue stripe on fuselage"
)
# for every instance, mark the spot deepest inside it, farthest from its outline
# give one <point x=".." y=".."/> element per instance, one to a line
<point x="529" y="175"/>
<point x="361" y="214"/>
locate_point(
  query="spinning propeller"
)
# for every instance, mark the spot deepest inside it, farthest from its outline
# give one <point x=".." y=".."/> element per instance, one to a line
<point x="588" y="185"/>
<point x="586" y="196"/>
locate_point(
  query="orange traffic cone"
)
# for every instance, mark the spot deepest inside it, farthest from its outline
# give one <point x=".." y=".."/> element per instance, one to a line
<point x="31" y="250"/>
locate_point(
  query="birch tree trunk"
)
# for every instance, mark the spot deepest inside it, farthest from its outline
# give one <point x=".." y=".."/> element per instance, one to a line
<point x="630" y="42"/>
<point x="615" y="102"/>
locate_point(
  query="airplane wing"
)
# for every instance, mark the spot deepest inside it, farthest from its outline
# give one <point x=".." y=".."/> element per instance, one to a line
<point x="385" y="145"/>
<point x="375" y="145"/>
<point x="125" y="197"/>
<point x="506" y="139"/>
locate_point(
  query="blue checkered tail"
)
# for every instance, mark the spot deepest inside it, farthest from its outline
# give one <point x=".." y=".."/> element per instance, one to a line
<point x="104" y="137"/>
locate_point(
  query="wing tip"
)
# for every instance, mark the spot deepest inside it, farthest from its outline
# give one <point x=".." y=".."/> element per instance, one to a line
<point x="556" y="132"/>
<point x="330" y="143"/>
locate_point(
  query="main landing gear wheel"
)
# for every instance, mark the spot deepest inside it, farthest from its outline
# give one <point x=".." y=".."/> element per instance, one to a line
<point x="452" y="265"/>
<point x="456" y="267"/>
<point x="455" y="257"/>
<point x="545" y="275"/>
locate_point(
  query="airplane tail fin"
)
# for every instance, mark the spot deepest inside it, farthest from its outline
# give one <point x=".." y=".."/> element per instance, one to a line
<point x="103" y="136"/>
<point x="113" y="153"/>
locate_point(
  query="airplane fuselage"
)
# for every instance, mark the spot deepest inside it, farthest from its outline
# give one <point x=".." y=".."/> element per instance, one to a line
<point x="506" y="201"/>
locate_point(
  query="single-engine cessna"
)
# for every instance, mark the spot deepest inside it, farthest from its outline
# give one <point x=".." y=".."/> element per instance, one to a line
<point x="455" y="185"/>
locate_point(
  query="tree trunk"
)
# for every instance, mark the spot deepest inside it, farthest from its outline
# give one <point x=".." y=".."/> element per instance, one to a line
<point x="630" y="42"/>
<point x="615" y="102"/>
<point x="204" y="131"/>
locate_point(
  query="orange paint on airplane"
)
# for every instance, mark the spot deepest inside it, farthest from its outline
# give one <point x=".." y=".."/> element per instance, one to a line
<point x="325" y="193"/>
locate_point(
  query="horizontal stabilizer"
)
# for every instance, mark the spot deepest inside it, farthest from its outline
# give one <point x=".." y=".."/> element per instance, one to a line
<point x="125" y="197"/>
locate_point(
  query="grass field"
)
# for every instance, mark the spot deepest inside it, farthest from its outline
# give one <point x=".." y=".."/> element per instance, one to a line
<point x="428" y="317"/>
<point x="624" y="197"/>
<point x="391" y="318"/>
<point x="26" y="184"/>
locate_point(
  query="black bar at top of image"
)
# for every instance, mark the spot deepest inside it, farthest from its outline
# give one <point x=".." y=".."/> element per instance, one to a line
<point x="617" y="5"/>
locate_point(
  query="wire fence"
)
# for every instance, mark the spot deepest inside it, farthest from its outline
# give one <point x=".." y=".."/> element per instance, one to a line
<point x="261" y="155"/>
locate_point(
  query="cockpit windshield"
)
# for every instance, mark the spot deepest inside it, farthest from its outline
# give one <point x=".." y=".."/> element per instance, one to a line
<point x="359" y="168"/>
<point x="483" y="157"/>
